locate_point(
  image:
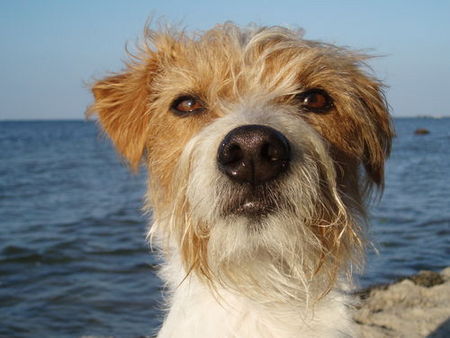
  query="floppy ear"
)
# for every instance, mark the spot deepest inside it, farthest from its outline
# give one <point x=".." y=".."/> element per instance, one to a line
<point x="377" y="137"/>
<point x="121" y="103"/>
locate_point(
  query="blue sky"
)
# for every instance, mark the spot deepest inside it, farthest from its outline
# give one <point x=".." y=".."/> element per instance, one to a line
<point x="51" y="49"/>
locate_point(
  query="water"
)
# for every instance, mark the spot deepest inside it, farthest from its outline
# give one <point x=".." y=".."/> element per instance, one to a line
<point x="411" y="225"/>
<point x="73" y="256"/>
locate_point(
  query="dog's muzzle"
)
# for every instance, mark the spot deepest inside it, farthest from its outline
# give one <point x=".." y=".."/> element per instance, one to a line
<point x="253" y="156"/>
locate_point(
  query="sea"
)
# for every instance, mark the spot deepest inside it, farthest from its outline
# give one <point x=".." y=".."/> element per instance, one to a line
<point x="74" y="261"/>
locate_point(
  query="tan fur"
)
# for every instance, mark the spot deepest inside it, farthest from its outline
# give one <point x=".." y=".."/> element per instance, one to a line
<point x="224" y="67"/>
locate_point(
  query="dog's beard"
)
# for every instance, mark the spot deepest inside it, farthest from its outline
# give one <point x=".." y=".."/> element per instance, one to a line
<point x="270" y="249"/>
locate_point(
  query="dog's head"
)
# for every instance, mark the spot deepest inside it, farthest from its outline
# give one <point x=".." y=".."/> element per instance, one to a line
<point x="260" y="147"/>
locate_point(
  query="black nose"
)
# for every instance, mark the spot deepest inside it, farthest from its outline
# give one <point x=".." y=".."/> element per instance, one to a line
<point x="254" y="154"/>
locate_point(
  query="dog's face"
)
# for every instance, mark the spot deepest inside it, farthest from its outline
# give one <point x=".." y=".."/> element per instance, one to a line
<point x="260" y="147"/>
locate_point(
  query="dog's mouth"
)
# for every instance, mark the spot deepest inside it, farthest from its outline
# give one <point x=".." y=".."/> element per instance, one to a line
<point x="254" y="208"/>
<point x="252" y="202"/>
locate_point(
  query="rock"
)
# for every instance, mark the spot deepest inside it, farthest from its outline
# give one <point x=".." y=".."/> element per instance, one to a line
<point x="427" y="279"/>
<point x="421" y="131"/>
<point x="417" y="306"/>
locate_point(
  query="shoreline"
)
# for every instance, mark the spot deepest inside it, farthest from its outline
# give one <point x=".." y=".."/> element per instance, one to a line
<point x="414" y="306"/>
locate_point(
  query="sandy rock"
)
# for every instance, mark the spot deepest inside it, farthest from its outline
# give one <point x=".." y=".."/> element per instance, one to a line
<point x="418" y="306"/>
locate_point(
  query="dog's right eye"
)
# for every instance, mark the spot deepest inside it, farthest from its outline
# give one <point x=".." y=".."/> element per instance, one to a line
<point x="315" y="100"/>
<point x="187" y="105"/>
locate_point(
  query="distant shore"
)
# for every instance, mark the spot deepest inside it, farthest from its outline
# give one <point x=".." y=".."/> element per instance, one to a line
<point x="416" y="306"/>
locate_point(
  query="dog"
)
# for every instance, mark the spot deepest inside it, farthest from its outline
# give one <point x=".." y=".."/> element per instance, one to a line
<point x="262" y="148"/>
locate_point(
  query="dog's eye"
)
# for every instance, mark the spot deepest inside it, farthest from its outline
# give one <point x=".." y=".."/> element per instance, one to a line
<point x="315" y="100"/>
<point x="186" y="105"/>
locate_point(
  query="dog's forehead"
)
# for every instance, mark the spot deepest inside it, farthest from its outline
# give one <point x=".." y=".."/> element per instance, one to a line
<point x="223" y="62"/>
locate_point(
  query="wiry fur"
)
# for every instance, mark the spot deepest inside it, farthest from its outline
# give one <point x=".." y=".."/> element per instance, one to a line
<point x="229" y="275"/>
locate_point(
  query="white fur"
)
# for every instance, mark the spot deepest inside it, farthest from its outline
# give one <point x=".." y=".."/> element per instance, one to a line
<point x="195" y="312"/>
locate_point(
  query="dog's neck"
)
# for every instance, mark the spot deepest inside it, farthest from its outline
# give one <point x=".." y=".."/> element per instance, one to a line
<point x="199" y="311"/>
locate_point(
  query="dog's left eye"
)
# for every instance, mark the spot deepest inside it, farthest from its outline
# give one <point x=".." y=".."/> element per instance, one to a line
<point x="186" y="105"/>
<point x="315" y="100"/>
